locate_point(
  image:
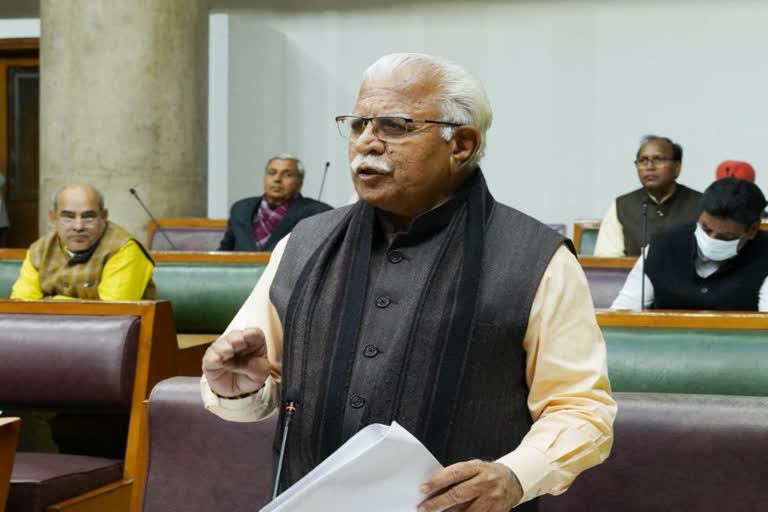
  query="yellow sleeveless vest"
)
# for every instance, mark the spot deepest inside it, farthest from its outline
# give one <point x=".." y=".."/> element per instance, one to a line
<point x="79" y="280"/>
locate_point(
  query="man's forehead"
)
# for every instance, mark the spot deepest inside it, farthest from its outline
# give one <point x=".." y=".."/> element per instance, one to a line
<point x="282" y="163"/>
<point x="396" y="95"/>
<point x="77" y="199"/>
<point x="656" y="146"/>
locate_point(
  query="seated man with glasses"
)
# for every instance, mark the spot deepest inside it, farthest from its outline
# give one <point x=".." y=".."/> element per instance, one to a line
<point x="427" y="303"/>
<point x="661" y="202"/>
<point x="86" y="257"/>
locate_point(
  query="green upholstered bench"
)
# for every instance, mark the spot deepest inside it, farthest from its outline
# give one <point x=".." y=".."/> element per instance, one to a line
<point x="205" y="289"/>
<point x="10" y="263"/>
<point x="694" y="353"/>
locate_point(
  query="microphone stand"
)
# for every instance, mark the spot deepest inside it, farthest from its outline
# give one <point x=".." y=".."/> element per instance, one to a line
<point x="642" y="255"/>
<point x="322" y="183"/>
<point x="290" y="408"/>
<point x="152" y="218"/>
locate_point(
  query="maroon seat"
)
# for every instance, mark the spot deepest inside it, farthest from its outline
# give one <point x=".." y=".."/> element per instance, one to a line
<point x="605" y="283"/>
<point x="40" y="479"/>
<point x="199" y="462"/>
<point x="702" y="453"/>
<point x="66" y="363"/>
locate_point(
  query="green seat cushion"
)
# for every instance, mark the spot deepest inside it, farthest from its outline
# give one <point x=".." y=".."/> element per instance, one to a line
<point x="205" y="296"/>
<point x="700" y="361"/>
<point x="587" y="241"/>
<point x="9" y="272"/>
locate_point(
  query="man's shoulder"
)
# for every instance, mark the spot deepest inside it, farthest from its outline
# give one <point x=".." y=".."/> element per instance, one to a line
<point x="245" y="203"/>
<point x="322" y="223"/>
<point x="634" y="194"/>
<point x="313" y="205"/>
<point x="688" y="191"/>
<point x="517" y="227"/>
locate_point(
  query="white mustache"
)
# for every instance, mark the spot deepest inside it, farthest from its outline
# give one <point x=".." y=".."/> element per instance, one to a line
<point x="370" y="162"/>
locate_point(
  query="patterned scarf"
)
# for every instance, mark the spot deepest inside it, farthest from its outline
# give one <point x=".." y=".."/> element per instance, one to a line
<point x="265" y="219"/>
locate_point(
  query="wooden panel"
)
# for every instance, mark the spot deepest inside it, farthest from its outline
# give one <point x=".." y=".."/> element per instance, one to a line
<point x="210" y="257"/>
<point x="9" y="433"/>
<point x="594" y="261"/>
<point x="115" y="497"/>
<point x="683" y="319"/>
<point x="176" y="256"/>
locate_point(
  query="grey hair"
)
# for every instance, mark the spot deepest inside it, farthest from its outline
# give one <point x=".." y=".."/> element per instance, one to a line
<point x="55" y="194"/>
<point x="287" y="156"/>
<point x="461" y="96"/>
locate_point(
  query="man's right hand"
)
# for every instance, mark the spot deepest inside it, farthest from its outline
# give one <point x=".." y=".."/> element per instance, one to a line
<point x="237" y="363"/>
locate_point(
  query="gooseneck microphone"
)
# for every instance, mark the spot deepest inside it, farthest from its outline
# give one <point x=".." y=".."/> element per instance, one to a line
<point x="159" y="227"/>
<point x="322" y="183"/>
<point x="290" y="408"/>
<point x="642" y="254"/>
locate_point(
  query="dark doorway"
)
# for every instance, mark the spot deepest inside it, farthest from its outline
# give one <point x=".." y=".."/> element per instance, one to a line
<point x="19" y="139"/>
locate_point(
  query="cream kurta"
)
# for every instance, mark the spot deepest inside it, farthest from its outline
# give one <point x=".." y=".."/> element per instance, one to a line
<point x="566" y="371"/>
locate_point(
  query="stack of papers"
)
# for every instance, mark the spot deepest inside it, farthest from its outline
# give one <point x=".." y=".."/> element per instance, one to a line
<point x="379" y="469"/>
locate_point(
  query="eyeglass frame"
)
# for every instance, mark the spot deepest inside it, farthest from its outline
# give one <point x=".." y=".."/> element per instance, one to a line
<point x="645" y="161"/>
<point x="373" y="119"/>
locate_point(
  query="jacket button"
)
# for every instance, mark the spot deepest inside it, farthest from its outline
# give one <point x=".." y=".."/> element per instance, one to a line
<point x="370" y="351"/>
<point x="356" y="401"/>
<point x="382" y="301"/>
<point x="395" y="256"/>
<point x="704" y="289"/>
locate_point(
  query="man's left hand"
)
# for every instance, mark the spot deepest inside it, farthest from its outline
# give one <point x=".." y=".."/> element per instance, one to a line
<point x="472" y="486"/>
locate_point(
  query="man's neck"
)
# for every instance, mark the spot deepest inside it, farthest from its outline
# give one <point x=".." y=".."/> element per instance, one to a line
<point x="659" y="196"/>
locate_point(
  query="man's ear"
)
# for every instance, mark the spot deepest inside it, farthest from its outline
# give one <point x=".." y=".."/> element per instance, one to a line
<point x="52" y="216"/>
<point x="466" y="142"/>
<point x="752" y="230"/>
<point x="104" y="214"/>
<point x="678" y="167"/>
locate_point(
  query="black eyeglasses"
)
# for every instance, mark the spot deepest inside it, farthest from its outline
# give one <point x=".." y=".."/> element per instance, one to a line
<point x="384" y="127"/>
<point x="645" y="161"/>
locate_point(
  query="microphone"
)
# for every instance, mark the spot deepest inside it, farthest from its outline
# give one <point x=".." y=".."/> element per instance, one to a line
<point x="159" y="227"/>
<point x="322" y="183"/>
<point x="642" y="254"/>
<point x="290" y="408"/>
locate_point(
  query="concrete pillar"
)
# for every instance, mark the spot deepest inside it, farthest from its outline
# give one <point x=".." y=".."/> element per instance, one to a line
<point x="123" y="103"/>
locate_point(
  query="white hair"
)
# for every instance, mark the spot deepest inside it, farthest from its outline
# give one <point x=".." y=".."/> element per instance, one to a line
<point x="460" y="95"/>
<point x="288" y="156"/>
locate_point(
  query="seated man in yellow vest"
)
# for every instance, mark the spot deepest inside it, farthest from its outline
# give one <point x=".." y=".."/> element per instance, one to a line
<point x="87" y="257"/>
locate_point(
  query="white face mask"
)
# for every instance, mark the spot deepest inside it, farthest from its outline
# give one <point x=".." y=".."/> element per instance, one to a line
<point x="715" y="250"/>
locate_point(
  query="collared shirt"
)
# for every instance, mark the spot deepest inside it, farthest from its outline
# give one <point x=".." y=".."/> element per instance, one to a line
<point x="124" y="277"/>
<point x="630" y="294"/>
<point x="566" y="372"/>
<point x="610" y="238"/>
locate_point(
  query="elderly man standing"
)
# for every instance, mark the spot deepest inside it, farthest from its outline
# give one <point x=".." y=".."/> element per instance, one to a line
<point x="428" y="303"/>
<point x="660" y="203"/>
<point x="86" y="257"/>
<point x="258" y="223"/>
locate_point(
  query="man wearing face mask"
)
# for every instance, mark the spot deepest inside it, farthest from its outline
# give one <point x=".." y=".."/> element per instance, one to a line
<point x="719" y="262"/>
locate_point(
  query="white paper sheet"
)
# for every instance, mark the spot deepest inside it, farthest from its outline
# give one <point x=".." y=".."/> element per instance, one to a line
<point x="378" y="469"/>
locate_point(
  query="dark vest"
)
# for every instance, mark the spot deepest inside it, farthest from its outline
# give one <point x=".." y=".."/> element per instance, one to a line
<point x="676" y="285"/>
<point x="491" y="417"/>
<point x="683" y="206"/>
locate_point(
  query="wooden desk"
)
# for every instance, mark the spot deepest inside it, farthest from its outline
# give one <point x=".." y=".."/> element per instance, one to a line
<point x="9" y="433"/>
